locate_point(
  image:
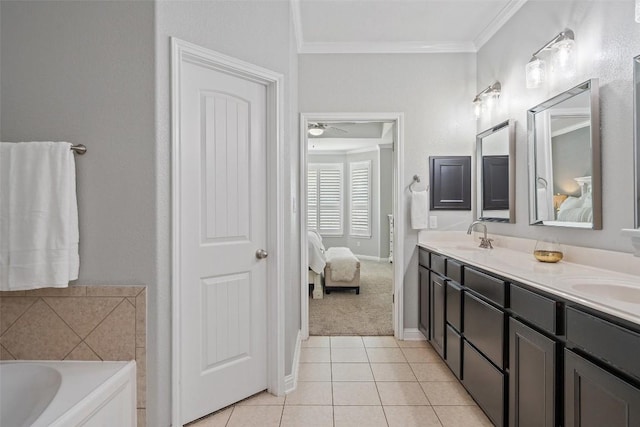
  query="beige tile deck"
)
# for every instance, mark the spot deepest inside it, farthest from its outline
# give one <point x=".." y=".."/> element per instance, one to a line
<point x="358" y="382"/>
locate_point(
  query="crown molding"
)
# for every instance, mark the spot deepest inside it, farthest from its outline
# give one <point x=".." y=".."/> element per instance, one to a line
<point x="381" y="47"/>
<point x="402" y="47"/>
<point x="501" y="18"/>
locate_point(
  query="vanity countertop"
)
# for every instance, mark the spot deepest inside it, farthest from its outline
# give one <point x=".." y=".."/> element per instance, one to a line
<point x="608" y="291"/>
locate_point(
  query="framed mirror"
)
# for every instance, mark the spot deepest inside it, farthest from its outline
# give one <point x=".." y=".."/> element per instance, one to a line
<point x="564" y="159"/>
<point x="495" y="173"/>
<point x="636" y="135"/>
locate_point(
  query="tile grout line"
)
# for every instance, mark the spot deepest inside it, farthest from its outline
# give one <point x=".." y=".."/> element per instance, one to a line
<point x="20" y="317"/>
<point x="10" y="354"/>
<point x="68" y="326"/>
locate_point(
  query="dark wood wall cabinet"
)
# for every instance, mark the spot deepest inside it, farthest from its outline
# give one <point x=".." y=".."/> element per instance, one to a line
<point x="450" y="182"/>
<point x="529" y="358"/>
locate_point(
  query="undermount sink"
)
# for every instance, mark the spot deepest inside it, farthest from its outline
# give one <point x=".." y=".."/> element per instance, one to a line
<point x="610" y="289"/>
<point x="463" y="247"/>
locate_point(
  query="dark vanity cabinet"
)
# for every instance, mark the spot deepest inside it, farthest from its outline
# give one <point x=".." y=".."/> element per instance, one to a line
<point x="433" y="295"/>
<point x="594" y="397"/>
<point x="602" y="385"/>
<point x="533" y="354"/>
<point x="532" y="377"/>
<point x="424" y="293"/>
<point x="483" y="352"/>
<point x="438" y="292"/>
<point x="424" y="296"/>
<point x="529" y="358"/>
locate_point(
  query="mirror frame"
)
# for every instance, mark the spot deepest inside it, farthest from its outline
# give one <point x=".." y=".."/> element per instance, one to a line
<point x="592" y="86"/>
<point x="511" y="133"/>
<point x="636" y="140"/>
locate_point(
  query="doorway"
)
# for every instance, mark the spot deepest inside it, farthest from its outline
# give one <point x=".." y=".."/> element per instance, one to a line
<point x="360" y="229"/>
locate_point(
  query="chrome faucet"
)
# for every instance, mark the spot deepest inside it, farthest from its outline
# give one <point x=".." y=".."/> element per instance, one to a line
<point x="485" y="243"/>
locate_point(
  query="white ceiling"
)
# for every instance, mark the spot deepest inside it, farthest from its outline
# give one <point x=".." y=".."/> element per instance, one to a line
<point x="398" y="26"/>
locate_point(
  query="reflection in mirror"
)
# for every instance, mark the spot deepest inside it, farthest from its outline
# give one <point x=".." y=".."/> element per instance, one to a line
<point x="636" y="131"/>
<point x="495" y="173"/>
<point x="564" y="159"/>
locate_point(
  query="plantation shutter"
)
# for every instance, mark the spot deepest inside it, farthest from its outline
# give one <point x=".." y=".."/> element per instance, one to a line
<point x="326" y="198"/>
<point x="360" y="205"/>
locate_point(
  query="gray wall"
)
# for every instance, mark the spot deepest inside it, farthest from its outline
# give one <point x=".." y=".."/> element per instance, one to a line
<point x="254" y="31"/>
<point x="83" y="72"/>
<point x="606" y="42"/>
<point x="571" y="157"/>
<point x="434" y="92"/>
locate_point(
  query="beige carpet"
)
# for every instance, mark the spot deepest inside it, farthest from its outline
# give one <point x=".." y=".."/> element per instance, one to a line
<point x="345" y="313"/>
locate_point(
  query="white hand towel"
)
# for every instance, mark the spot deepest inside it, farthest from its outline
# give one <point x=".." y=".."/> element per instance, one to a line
<point x="38" y="215"/>
<point x="419" y="210"/>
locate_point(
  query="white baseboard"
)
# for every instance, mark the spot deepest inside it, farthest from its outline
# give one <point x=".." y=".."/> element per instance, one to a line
<point x="371" y="258"/>
<point x="413" y="334"/>
<point x="291" y="381"/>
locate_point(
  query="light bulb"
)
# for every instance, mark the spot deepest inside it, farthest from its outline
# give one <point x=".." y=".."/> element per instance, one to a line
<point x="535" y="72"/>
<point x="565" y="58"/>
<point x="316" y="131"/>
<point x="477" y="107"/>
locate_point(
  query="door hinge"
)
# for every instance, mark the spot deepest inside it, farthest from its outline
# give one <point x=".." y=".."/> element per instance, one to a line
<point x="393" y="298"/>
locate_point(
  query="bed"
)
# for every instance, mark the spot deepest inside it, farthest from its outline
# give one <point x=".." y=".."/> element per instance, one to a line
<point x="578" y="209"/>
<point x="338" y="265"/>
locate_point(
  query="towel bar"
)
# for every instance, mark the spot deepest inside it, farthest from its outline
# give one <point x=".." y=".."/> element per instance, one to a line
<point x="79" y="149"/>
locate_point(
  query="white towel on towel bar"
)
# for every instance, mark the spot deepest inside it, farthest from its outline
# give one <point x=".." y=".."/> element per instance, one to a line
<point x="419" y="210"/>
<point x="38" y="215"/>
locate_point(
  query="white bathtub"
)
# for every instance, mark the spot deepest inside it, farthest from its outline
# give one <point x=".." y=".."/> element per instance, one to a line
<point x="67" y="394"/>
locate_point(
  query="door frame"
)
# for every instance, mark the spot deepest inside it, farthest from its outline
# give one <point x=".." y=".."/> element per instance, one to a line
<point x="181" y="52"/>
<point x="398" y="210"/>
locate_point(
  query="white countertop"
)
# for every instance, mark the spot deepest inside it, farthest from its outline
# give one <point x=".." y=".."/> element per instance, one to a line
<point x="608" y="291"/>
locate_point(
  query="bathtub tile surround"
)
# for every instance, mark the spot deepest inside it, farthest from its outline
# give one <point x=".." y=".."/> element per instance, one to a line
<point x="77" y="323"/>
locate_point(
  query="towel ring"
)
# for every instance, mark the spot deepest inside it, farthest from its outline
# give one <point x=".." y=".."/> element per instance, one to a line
<point x="416" y="180"/>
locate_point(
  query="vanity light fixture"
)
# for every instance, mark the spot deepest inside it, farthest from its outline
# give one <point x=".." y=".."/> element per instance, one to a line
<point x="486" y="99"/>
<point x="563" y="60"/>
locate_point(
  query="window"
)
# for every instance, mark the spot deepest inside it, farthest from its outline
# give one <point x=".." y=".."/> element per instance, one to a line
<point x="325" y="198"/>
<point x="360" y="198"/>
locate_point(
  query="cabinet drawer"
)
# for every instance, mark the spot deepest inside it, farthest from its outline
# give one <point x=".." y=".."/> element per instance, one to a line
<point x="454" y="352"/>
<point x="535" y="309"/>
<point x="485" y="383"/>
<point x="484" y="328"/>
<point x="487" y="286"/>
<point x="608" y="342"/>
<point x="454" y="305"/>
<point x="437" y="264"/>
<point x="454" y="271"/>
<point x="423" y="258"/>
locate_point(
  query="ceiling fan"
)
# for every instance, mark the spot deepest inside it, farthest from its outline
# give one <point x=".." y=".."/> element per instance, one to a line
<point x="317" y="129"/>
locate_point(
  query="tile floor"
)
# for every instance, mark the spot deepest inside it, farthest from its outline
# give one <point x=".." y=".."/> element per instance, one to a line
<point x="361" y="381"/>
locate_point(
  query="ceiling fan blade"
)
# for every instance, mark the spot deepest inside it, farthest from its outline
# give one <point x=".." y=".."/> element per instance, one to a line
<point x="338" y="129"/>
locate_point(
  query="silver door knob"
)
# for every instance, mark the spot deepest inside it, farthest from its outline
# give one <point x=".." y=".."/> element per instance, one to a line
<point x="261" y="254"/>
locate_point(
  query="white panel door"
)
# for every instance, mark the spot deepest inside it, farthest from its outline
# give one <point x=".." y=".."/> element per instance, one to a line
<point x="223" y="284"/>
